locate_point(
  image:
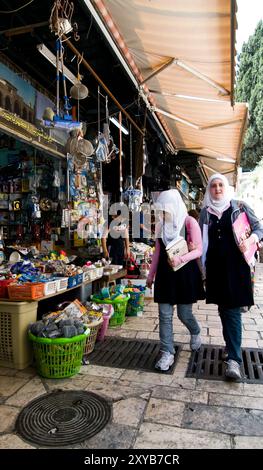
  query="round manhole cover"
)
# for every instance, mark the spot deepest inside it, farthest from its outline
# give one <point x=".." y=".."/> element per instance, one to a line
<point x="63" y="418"/>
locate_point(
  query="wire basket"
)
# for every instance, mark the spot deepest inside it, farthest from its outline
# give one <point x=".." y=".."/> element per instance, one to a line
<point x="119" y="305"/>
<point x="91" y="339"/>
<point x="58" y="358"/>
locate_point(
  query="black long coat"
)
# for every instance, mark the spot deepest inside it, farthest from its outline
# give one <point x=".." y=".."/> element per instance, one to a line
<point x="228" y="276"/>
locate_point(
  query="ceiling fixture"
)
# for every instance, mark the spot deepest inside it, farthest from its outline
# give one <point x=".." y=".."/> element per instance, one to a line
<point x="120" y="126"/>
<point x="52" y="59"/>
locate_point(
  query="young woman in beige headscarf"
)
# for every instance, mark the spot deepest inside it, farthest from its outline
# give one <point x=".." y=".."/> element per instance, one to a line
<point x="182" y="287"/>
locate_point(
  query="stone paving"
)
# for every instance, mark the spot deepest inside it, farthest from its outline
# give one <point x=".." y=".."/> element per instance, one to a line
<point x="154" y="410"/>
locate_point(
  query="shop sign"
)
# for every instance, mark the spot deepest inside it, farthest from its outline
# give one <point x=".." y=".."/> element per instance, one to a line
<point x="8" y="118"/>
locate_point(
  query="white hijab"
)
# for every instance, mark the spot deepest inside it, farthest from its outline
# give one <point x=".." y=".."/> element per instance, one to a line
<point x="171" y="201"/>
<point x="218" y="206"/>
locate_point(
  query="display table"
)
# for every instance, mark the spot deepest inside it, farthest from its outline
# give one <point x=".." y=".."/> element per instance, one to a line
<point x="15" y="316"/>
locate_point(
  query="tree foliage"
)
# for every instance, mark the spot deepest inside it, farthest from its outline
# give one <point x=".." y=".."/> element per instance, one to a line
<point x="249" y="88"/>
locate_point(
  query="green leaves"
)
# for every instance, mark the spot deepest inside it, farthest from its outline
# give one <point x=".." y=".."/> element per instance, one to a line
<point x="249" y="88"/>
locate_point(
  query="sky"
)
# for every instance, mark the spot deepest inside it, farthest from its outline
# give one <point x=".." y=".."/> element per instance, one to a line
<point x="250" y="12"/>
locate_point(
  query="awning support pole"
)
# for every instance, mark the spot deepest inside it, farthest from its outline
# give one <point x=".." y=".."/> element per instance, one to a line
<point x="159" y="70"/>
<point x="175" y="118"/>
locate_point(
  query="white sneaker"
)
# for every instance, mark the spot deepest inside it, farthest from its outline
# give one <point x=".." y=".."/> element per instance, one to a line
<point x="165" y="361"/>
<point x="233" y="370"/>
<point x="195" y="342"/>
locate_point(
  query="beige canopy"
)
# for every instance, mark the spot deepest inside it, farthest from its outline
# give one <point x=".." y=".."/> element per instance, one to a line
<point x="182" y="55"/>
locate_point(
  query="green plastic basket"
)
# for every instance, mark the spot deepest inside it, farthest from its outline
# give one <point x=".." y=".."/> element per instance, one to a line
<point x="135" y="304"/>
<point x="60" y="357"/>
<point x="120" y="306"/>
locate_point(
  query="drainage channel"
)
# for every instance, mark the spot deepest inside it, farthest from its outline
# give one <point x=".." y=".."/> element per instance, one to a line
<point x="129" y="354"/>
<point x="208" y="364"/>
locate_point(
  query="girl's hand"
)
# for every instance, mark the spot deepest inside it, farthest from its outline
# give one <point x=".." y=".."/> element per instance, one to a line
<point x="245" y="244"/>
<point x="175" y="261"/>
<point x="191" y="246"/>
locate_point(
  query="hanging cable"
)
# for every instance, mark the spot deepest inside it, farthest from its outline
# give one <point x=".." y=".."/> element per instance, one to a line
<point x="98" y="111"/>
<point x="120" y="157"/>
<point x="131" y="156"/>
<point x="6" y="12"/>
<point x="79" y="60"/>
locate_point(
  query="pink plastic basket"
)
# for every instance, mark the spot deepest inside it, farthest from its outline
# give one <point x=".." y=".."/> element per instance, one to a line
<point x="103" y="328"/>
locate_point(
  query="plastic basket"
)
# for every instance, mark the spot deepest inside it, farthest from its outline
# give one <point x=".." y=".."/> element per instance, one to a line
<point x="58" y="358"/>
<point x="92" y="273"/>
<point x="72" y="281"/>
<point x="86" y="276"/>
<point x="27" y="291"/>
<point x="91" y="339"/>
<point x="79" y="278"/>
<point x="50" y="287"/>
<point x="135" y="303"/>
<point x="4" y="287"/>
<point x="99" y="271"/>
<point x="103" y="329"/>
<point x="62" y="283"/>
<point x="119" y="305"/>
<point x="15" y="349"/>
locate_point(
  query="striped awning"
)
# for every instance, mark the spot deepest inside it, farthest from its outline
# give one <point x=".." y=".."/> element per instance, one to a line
<point x="182" y="54"/>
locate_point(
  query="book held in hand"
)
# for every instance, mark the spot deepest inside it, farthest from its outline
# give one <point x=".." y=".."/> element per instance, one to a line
<point x="242" y="231"/>
<point x="177" y="247"/>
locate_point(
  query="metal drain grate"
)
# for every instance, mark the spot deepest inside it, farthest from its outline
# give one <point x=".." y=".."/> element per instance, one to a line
<point x="207" y="363"/>
<point x="129" y="354"/>
<point x="63" y="418"/>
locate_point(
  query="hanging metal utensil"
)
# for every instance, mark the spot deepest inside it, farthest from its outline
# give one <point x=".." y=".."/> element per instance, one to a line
<point x="79" y="91"/>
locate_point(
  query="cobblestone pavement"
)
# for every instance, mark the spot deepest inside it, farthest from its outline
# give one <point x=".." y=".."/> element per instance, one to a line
<point x="151" y="410"/>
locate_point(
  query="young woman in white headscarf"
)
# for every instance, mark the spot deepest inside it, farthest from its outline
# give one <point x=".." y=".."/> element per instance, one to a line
<point x="182" y="287"/>
<point x="228" y="274"/>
